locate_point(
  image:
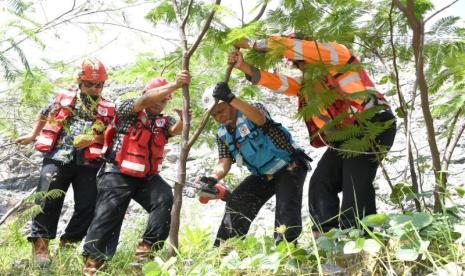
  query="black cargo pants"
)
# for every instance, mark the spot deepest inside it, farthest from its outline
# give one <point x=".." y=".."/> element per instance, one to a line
<point x="253" y="192"/>
<point x="56" y="175"/>
<point x="115" y="191"/>
<point x="351" y="176"/>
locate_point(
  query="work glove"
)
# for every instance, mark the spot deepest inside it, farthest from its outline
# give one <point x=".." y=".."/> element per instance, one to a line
<point x="211" y="189"/>
<point x="223" y="93"/>
<point x="210" y="181"/>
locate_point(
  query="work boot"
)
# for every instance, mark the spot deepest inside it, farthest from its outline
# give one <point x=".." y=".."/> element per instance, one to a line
<point x="40" y="252"/>
<point x="143" y="252"/>
<point x="91" y="266"/>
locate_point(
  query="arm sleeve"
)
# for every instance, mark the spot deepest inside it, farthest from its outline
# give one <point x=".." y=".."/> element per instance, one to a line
<point x="171" y="122"/>
<point x="223" y="151"/>
<point x="276" y="82"/>
<point x="125" y="110"/>
<point x="47" y="109"/>
<point x="270" y="128"/>
<point x="310" y="51"/>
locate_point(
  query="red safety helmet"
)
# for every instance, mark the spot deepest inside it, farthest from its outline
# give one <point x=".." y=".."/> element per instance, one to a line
<point x="92" y="70"/>
<point x="157" y="82"/>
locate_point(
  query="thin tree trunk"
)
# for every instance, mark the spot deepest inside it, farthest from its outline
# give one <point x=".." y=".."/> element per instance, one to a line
<point x="417" y="26"/>
<point x="403" y="108"/>
<point x="185" y="145"/>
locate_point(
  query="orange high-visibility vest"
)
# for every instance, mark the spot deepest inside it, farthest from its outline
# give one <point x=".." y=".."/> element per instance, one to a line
<point x="335" y="56"/>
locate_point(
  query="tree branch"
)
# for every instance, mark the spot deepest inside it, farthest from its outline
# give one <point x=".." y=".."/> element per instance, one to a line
<point x="260" y="13"/>
<point x="439" y="11"/>
<point x="169" y="40"/>
<point x="454" y="145"/>
<point x="189" y="8"/>
<point x="204" y="29"/>
<point x="242" y="14"/>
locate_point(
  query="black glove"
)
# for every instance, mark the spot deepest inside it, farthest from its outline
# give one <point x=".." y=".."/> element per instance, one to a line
<point x="223" y="93"/>
<point x="210" y="181"/>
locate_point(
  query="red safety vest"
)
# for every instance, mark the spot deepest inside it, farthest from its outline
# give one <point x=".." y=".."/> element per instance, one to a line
<point x="346" y="105"/>
<point x="142" y="148"/>
<point x="65" y="101"/>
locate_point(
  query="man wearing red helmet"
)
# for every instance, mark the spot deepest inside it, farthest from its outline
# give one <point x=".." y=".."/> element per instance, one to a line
<point x="71" y="137"/>
<point x="134" y="147"/>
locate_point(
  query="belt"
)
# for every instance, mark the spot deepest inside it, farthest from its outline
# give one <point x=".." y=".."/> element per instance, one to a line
<point x="290" y="167"/>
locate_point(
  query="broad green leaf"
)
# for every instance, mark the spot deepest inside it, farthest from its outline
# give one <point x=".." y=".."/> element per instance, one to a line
<point x="421" y="220"/>
<point x="326" y="243"/>
<point x="371" y="246"/>
<point x="152" y="269"/>
<point x="376" y="220"/>
<point x="407" y="254"/>
<point x="396" y="220"/>
<point x="353" y="247"/>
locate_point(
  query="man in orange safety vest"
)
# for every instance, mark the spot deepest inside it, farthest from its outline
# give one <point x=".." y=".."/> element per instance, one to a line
<point x="353" y="176"/>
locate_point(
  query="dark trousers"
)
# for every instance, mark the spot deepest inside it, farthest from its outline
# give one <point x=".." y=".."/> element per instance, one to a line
<point x="351" y="176"/>
<point x="55" y="175"/>
<point x="253" y="192"/>
<point x="115" y="191"/>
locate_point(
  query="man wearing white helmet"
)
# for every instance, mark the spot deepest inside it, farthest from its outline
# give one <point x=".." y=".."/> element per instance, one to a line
<point x="248" y="136"/>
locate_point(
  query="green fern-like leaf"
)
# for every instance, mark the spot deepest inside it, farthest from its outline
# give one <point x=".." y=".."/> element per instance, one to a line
<point x="344" y="134"/>
<point x="354" y="147"/>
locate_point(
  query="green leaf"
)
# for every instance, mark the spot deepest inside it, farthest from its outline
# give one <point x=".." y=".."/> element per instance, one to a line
<point x="460" y="191"/>
<point x="396" y="220"/>
<point x="421" y="220"/>
<point x="152" y="269"/>
<point x="353" y="247"/>
<point x="407" y="254"/>
<point x="376" y="220"/>
<point x="326" y="244"/>
<point x="371" y="246"/>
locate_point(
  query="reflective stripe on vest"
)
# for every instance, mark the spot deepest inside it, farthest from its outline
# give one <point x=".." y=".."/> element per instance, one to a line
<point x="95" y="150"/>
<point x="333" y="53"/>
<point x="298" y="50"/>
<point x="257" y="150"/>
<point x="284" y="85"/>
<point x="133" y="166"/>
<point x="44" y="140"/>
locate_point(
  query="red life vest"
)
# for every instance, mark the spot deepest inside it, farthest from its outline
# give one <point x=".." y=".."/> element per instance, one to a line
<point x="344" y="105"/>
<point x="142" y="148"/>
<point x="65" y="101"/>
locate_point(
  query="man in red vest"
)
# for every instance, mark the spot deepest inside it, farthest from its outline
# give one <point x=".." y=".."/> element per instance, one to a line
<point x="352" y="176"/>
<point x="134" y="154"/>
<point x="71" y="136"/>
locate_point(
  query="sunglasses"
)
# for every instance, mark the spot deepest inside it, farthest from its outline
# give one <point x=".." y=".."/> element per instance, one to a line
<point x="89" y="84"/>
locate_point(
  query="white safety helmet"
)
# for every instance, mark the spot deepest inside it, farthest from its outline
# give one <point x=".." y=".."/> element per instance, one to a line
<point x="207" y="98"/>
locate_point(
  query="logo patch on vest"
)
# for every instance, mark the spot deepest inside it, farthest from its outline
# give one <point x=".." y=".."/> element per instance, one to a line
<point x="244" y="130"/>
<point x="102" y="111"/>
<point x="160" y="122"/>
